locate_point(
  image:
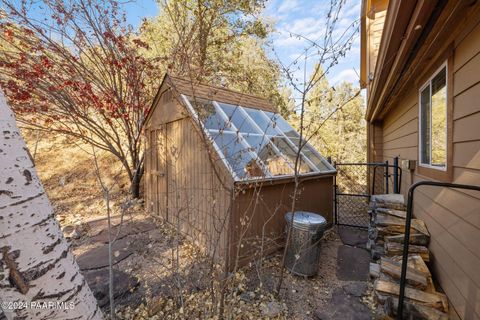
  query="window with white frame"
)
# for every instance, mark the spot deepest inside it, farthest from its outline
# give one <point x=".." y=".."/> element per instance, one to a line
<point x="433" y="120"/>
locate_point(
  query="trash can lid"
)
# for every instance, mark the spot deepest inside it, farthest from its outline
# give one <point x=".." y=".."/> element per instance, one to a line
<point x="305" y="219"/>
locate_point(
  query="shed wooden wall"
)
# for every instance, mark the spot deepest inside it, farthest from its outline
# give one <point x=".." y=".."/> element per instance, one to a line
<point x="452" y="217"/>
<point x="258" y="215"/>
<point x="192" y="193"/>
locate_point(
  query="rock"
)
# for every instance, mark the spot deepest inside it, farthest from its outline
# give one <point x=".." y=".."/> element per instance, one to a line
<point x="72" y="232"/>
<point x="343" y="307"/>
<point x="98" y="282"/>
<point x="271" y="309"/>
<point x="356" y="289"/>
<point x="127" y="228"/>
<point x="98" y="257"/>
<point x="352" y="264"/>
<point x="353" y="236"/>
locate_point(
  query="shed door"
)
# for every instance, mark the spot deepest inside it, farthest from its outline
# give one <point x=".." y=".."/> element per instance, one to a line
<point x="160" y="172"/>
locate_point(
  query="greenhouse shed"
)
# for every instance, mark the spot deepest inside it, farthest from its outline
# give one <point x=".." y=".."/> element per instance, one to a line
<point x="219" y="165"/>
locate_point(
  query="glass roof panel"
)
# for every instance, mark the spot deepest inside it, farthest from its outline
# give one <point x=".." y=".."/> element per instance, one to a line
<point x="208" y="115"/>
<point x="239" y="158"/>
<point x="309" y="153"/>
<point x="262" y="121"/>
<point x="282" y="125"/>
<point x="237" y="117"/>
<point x="284" y="147"/>
<point x="255" y="143"/>
<point x="317" y="161"/>
<point x="275" y="163"/>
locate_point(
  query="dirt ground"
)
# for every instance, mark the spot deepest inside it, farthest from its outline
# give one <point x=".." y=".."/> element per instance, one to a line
<point x="175" y="280"/>
<point x="168" y="290"/>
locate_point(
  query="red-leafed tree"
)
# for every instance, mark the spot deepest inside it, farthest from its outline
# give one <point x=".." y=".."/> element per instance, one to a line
<point x="75" y="68"/>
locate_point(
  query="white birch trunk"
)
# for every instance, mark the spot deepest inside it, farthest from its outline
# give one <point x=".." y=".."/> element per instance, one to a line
<point x="37" y="268"/>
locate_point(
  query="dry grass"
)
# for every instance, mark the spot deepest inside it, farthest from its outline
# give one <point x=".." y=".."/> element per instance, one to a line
<point x="66" y="169"/>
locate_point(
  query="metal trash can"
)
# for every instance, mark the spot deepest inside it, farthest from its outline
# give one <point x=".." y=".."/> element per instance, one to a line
<point x="303" y="253"/>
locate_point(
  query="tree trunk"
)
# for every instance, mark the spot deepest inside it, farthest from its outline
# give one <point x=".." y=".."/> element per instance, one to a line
<point x="39" y="277"/>
<point x="136" y="180"/>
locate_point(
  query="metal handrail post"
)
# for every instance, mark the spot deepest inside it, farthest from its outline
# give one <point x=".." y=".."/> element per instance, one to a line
<point x="395" y="175"/>
<point x="386" y="176"/>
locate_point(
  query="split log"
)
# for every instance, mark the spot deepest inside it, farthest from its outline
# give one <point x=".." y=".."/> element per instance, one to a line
<point x="389" y="199"/>
<point x="392" y="206"/>
<point x="396" y="249"/>
<point x="412" y="310"/>
<point x="396" y="213"/>
<point x="416" y="262"/>
<point x="385" y="220"/>
<point x="435" y="300"/>
<point x="418" y="239"/>
<point x="394" y="228"/>
<point x="393" y="268"/>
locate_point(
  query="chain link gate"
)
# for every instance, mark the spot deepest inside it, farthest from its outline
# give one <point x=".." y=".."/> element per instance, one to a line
<point x="355" y="183"/>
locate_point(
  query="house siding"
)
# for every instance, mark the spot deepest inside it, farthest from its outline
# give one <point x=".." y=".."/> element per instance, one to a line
<point x="375" y="20"/>
<point x="452" y="216"/>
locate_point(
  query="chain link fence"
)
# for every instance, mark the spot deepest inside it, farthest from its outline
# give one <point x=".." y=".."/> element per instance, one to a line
<point x="354" y="184"/>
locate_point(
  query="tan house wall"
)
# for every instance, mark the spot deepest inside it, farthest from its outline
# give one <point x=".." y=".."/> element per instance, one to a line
<point x="372" y="23"/>
<point x="452" y="217"/>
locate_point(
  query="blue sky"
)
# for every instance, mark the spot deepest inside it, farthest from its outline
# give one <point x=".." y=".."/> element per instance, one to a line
<point x="305" y="17"/>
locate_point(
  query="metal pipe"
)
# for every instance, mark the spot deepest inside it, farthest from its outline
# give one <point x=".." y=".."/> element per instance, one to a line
<point x="335" y="194"/>
<point x="362" y="164"/>
<point x="386" y="176"/>
<point x="395" y="175"/>
<point x="406" y="239"/>
<point x="354" y="194"/>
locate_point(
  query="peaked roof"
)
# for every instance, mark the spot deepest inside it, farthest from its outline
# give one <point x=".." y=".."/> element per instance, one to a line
<point x="193" y="87"/>
<point x="250" y="136"/>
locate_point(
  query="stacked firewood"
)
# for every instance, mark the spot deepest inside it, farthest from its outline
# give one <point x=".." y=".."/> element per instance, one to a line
<point x="386" y="236"/>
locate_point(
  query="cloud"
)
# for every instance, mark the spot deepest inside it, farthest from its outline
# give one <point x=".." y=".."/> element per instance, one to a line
<point x="347" y="75"/>
<point x="352" y="10"/>
<point x="288" y="6"/>
<point x="285" y="40"/>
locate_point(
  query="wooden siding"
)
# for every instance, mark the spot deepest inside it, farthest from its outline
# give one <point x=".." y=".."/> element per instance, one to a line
<point x="181" y="185"/>
<point x="452" y="217"/>
<point x="375" y="20"/>
<point x="168" y="108"/>
<point x="262" y="222"/>
<point x="375" y="140"/>
<point x="198" y="203"/>
<point x="199" y="90"/>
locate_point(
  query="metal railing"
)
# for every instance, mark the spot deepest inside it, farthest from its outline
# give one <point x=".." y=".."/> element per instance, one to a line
<point x="397" y="175"/>
<point x="411" y="192"/>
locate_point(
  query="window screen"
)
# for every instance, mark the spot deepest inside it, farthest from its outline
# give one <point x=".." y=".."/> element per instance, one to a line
<point x="433" y="121"/>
